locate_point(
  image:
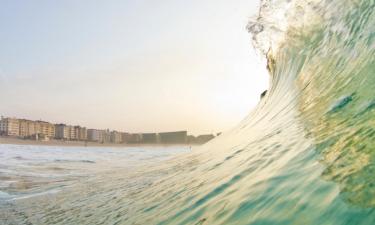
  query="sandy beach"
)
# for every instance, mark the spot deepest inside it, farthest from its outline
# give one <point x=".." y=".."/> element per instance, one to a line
<point x="17" y="141"/>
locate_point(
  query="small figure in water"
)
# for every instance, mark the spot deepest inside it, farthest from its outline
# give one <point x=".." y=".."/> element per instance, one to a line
<point x="263" y="94"/>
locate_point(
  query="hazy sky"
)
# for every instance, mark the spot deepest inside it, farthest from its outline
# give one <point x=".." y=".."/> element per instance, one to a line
<point x="139" y="65"/>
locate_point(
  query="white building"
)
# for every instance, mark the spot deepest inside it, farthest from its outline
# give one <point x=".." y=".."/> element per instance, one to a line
<point x="94" y="135"/>
<point x="116" y="137"/>
<point x="10" y="127"/>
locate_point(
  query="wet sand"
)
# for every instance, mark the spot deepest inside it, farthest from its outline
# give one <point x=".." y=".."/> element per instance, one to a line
<point x="17" y="141"/>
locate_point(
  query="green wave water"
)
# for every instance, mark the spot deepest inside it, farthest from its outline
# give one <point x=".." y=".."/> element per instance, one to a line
<point x="305" y="155"/>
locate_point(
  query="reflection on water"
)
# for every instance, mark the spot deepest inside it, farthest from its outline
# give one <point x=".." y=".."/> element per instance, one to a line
<point x="27" y="171"/>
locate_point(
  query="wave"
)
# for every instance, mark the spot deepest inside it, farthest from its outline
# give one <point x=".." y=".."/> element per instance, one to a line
<point x="327" y="50"/>
<point x="305" y="155"/>
<point x="73" y="161"/>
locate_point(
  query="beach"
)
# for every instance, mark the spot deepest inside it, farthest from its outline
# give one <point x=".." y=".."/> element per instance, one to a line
<point x="18" y="141"/>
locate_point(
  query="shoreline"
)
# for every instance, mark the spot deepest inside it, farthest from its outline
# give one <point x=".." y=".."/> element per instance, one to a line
<point x="17" y="141"/>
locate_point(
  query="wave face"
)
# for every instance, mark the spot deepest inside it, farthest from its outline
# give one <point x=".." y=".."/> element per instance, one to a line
<point x="305" y="155"/>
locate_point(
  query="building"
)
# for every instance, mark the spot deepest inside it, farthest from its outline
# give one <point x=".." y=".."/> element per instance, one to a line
<point x="41" y="130"/>
<point x="72" y="133"/>
<point x="10" y="126"/>
<point x="2" y="126"/>
<point x="150" y="138"/>
<point x="131" y="138"/>
<point x="101" y="136"/>
<point x="81" y="133"/>
<point x="116" y="137"/>
<point x="178" y="137"/>
<point x="27" y="128"/>
<point x="78" y="133"/>
<point x="45" y="129"/>
<point x="93" y="135"/>
<point x="125" y="137"/>
<point x="62" y="132"/>
<point x="106" y="136"/>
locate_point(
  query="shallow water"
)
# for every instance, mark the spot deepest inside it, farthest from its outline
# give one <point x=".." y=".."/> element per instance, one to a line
<point x="28" y="171"/>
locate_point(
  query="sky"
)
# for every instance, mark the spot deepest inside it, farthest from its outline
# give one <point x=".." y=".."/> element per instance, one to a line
<point x="136" y="66"/>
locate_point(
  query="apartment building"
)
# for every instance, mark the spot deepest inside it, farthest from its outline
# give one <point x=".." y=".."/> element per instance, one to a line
<point x="72" y="135"/>
<point x="131" y="138"/>
<point x="177" y="137"/>
<point x="27" y="128"/>
<point x="45" y="129"/>
<point x="61" y="131"/>
<point x="93" y="135"/>
<point x="126" y="137"/>
<point x="97" y="135"/>
<point x="81" y="133"/>
<point x="106" y="137"/>
<point x="115" y="137"/>
<point x="41" y="130"/>
<point x="10" y="126"/>
<point x="101" y="136"/>
<point x="150" y="138"/>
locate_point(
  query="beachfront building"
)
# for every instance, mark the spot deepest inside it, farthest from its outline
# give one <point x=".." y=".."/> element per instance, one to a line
<point x="62" y="131"/>
<point x="41" y="130"/>
<point x="74" y="133"/>
<point x="44" y="129"/>
<point x="150" y="138"/>
<point x="81" y="133"/>
<point x="93" y="135"/>
<point x="125" y="137"/>
<point x="101" y="136"/>
<point x="131" y="138"/>
<point x="71" y="133"/>
<point x="10" y="127"/>
<point x="115" y="137"/>
<point x="27" y="128"/>
<point x="178" y="137"/>
<point x="106" y="136"/>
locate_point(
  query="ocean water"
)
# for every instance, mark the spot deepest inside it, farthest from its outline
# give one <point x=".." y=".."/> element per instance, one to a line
<point x="31" y="173"/>
<point x="304" y="155"/>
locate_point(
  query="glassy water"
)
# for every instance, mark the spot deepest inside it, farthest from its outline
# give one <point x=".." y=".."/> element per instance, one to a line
<point x="31" y="173"/>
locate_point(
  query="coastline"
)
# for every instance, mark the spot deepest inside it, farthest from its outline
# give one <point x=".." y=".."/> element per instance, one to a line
<point x="17" y="141"/>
